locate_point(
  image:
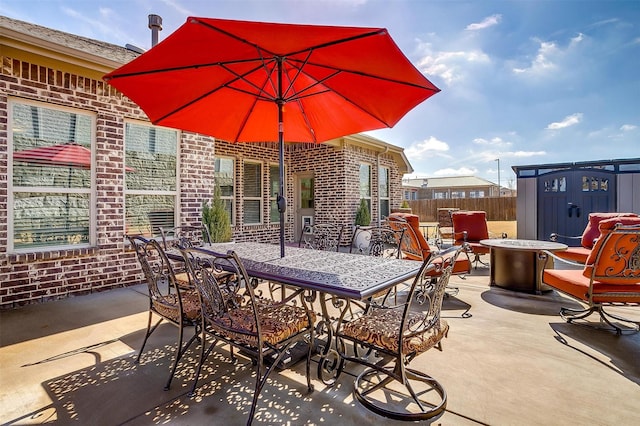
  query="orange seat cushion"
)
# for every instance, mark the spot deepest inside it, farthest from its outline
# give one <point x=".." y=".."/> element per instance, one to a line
<point x="474" y="222"/>
<point x="571" y="281"/>
<point x="592" y="231"/>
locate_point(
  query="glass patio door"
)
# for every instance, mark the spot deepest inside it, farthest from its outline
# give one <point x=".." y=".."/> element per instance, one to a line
<point x="305" y="206"/>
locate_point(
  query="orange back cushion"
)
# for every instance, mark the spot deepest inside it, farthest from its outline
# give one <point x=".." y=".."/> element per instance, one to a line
<point x="592" y="231"/>
<point x="474" y="222"/>
<point x="413" y="245"/>
<point x="616" y="251"/>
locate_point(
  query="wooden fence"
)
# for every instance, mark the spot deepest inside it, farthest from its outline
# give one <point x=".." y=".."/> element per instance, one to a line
<point x="497" y="208"/>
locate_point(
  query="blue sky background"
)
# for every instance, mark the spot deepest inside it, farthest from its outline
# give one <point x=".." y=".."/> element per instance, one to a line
<point x="526" y="82"/>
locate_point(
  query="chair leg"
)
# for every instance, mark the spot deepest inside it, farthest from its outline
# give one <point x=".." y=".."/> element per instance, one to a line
<point x="571" y="315"/>
<point x="180" y="352"/>
<point x="149" y="332"/>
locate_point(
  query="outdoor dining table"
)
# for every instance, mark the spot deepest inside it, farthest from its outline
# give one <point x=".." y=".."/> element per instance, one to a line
<point x="346" y="275"/>
<point x="335" y="276"/>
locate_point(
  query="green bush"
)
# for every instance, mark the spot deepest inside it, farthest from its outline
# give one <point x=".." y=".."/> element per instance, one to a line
<point x="363" y="217"/>
<point x="217" y="219"/>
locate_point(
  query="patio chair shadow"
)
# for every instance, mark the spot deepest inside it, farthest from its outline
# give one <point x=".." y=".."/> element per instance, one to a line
<point x="40" y="320"/>
<point x="545" y="304"/>
<point x="619" y="353"/>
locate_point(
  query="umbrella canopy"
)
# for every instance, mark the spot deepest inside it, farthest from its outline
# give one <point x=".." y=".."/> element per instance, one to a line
<point x="68" y="154"/>
<point x="245" y="81"/>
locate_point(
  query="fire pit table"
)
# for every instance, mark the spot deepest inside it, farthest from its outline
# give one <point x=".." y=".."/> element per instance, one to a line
<point x="515" y="264"/>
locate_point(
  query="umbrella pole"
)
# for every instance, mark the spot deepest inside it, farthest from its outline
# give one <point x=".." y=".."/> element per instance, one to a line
<point x="282" y="201"/>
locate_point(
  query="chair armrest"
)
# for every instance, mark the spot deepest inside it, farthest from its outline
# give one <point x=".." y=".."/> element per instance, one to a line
<point x="554" y="237"/>
<point x="546" y="253"/>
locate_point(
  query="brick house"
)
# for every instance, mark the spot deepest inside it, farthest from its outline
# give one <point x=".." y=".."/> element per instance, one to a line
<point x="62" y="225"/>
<point x="452" y="187"/>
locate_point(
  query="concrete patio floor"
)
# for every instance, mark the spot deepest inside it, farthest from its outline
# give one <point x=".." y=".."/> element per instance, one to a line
<point x="513" y="362"/>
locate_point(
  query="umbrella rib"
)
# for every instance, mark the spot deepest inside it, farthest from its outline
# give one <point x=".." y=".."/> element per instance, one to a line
<point x="360" y="73"/>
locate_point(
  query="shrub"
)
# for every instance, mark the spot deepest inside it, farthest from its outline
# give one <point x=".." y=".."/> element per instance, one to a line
<point x="216" y="218"/>
<point x="363" y="217"/>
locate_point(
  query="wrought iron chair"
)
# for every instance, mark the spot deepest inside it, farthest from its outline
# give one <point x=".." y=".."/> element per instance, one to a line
<point x="392" y="336"/>
<point x="587" y="239"/>
<point x="167" y="299"/>
<point x="184" y="236"/>
<point x="321" y="236"/>
<point x="232" y="313"/>
<point x="379" y="241"/>
<point x="611" y="275"/>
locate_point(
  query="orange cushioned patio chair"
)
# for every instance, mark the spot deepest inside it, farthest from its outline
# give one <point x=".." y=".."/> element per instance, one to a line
<point x="611" y="275"/>
<point x="470" y="227"/>
<point x="587" y="239"/>
<point x="415" y="247"/>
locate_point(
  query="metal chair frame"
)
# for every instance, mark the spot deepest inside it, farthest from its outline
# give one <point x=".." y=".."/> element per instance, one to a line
<point x="379" y="241"/>
<point x="407" y="325"/>
<point x="166" y="297"/>
<point x="232" y="313"/>
<point x="185" y="236"/>
<point x="321" y="236"/>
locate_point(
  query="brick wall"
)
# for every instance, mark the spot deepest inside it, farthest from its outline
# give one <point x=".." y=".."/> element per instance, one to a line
<point x="48" y="275"/>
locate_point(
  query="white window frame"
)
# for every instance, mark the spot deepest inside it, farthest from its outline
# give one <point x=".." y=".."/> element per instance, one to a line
<point x="228" y="199"/>
<point x="362" y="189"/>
<point x="386" y="172"/>
<point x="11" y="189"/>
<point x="259" y="197"/>
<point x="175" y="193"/>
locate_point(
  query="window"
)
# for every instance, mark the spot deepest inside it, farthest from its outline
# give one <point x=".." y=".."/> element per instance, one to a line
<point x="52" y="184"/>
<point x="252" y="193"/>
<point x="457" y="194"/>
<point x="383" y="191"/>
<point x="274" y="186"/>
<point x="151" y="182"/>
<point x="440" y="195"/>
<point x="225" y="180"/>
<point x="476" y="194"/>
<point x="365" y="183"/>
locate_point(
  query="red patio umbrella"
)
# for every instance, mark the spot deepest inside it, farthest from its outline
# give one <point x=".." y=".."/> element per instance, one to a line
<point x="245" y="81"/>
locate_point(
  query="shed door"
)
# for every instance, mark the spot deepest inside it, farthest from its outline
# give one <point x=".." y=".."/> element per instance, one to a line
<point x="566" y="198"/>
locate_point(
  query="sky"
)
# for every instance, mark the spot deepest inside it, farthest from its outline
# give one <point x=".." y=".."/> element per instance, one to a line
<point x="522" y="82"/>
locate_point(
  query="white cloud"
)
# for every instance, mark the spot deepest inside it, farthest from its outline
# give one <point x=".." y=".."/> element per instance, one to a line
<point x="462" y="171"/>
<point x="487" y="22"/>
<point x="426" y="148"/>
<point x="178" y="7"/>
<point x="104" y="25"/>
<point x="568" y="121"/>
<point x="549" y="56"/>
<point x="450" y="66"/>
<point x="543" y="60"/>
<point x="628" y="127"/>
<point x="496" y="142"/>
